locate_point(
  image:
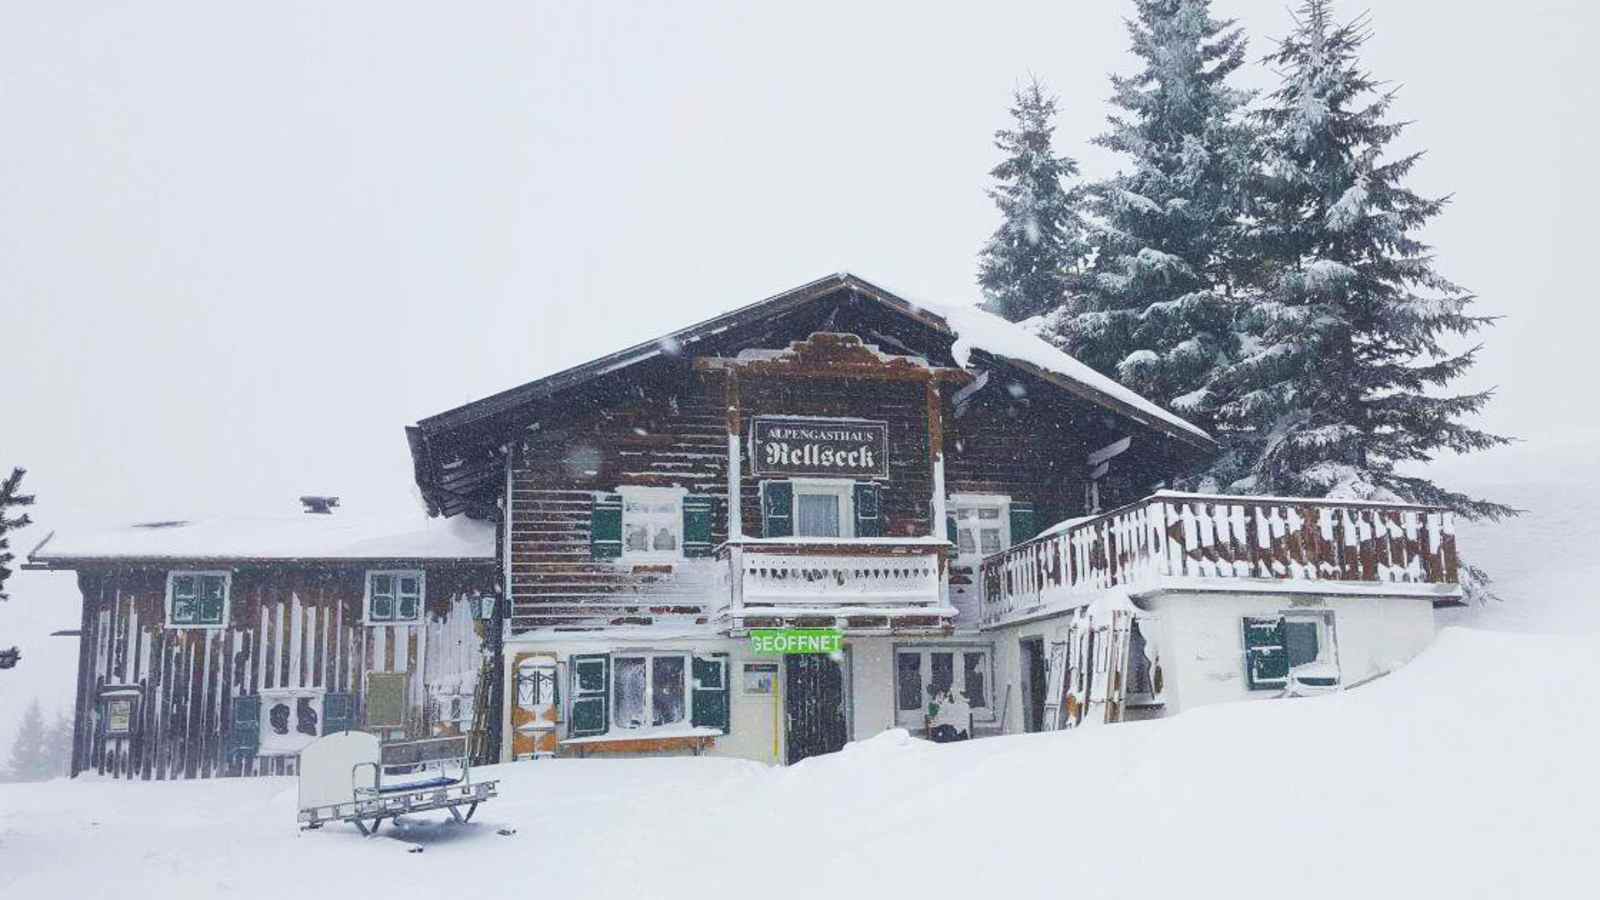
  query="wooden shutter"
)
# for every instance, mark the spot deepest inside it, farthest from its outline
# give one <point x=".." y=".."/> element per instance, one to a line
<point x="386" y="699"/>
<point x="697" y="526"/>
<point x="1266" y="662"/>
<point x="951" y="532"/>
<point x="711" y="692"/>
<point x="605" y="527"/>
<point x="338" y="712"/>
<point x="591" y="695"/>
<point x="777" y="509"/>
<point x="869" y="517"/>
<point x="1023" y="526"/>
<point x="244" y="733"/>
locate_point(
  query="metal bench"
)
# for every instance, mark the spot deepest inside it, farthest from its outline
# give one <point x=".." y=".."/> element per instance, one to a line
<point x="351" y="777"/>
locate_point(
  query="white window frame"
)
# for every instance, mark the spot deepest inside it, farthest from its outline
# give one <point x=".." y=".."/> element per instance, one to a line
<point x="640" y="493"/>
<point x="227" y="598"/>
<point x="985" y="713"/>
<point x="973" y="501"/>
<point x="843" y="488"/>
<point x="422" y="597"/>
<point x="650" y="656"/>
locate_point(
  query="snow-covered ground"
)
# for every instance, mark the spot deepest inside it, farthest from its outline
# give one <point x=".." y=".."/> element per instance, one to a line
<point x="1468" y="773"/>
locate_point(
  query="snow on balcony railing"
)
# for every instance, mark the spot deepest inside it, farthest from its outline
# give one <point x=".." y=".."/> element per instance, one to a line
<point x="863" y="584"/>
<point x="1205" y="541"/>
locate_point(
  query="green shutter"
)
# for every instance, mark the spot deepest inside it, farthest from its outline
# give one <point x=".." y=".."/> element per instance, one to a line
<point x="1266" y="663"/>
<point x="213" y="594"/>
<point x="697" y="526"/>
<point x="386" y="699"/>
<point x="950" y="532"/>
<point x="777" y="505"/>
<point x="591" y="695"/>
<point x="338" y="712"/>
<point x="244" y="735"/>
<point x="1022" y="522"/>
<point x="605" y="527"/>
<point x="711" y="692"/>
<point x="869" y="512"/>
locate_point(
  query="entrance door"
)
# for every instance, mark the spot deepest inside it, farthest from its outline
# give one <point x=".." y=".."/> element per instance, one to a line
<point x="814" y="706"/>
<point x="1034" y="684"/>
<point x="982" y="528"/>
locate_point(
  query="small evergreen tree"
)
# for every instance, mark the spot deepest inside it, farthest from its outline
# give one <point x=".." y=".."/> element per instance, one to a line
<point x="1160" y="310"/>
<point x="10" y="496"/>
<point x="58" y="746"/>
<point x="30" y="759"/>
<point x="1026" y="266"/>
<point x="1346" y="367"/>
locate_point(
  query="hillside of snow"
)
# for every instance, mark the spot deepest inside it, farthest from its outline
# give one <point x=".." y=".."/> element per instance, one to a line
<point x="1468" y="773"/>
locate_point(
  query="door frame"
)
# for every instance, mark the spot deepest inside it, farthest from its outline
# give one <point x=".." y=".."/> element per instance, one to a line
<point x="1026" y="679"/>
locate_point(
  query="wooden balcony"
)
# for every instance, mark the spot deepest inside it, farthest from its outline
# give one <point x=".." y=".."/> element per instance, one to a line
<point x="864" y="585"/>
<point x="1175" y="541"/>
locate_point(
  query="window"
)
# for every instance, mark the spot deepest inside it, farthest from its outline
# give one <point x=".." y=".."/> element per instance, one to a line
<point x="982" y="525"/>
<point x="922" y="673"/>
<point x="197" y="599"/>
<point x="652" y="523"/>
<point x="648" y="691"/>
<point x="1294" y="651"/>
<point x="291" y="718"/>
<point x="824" y="508"/>
<point x="394" y="596"/>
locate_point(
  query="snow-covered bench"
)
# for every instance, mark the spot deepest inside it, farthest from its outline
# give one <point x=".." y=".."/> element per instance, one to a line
<point x="352" y="777"/>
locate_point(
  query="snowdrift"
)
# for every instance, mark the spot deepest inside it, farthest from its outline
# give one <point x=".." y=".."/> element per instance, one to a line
<point x="1468" y="773"/>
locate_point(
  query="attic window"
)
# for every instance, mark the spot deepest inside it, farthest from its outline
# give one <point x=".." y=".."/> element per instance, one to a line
<point x="394" y="595"/>
<point x="197" y="599"/>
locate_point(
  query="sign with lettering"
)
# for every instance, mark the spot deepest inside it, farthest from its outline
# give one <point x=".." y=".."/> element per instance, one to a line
<point x="783" y="641"/>
<point x="845" y="448"/>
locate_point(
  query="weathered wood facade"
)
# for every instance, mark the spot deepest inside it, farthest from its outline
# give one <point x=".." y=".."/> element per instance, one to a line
<point x="294" y="629"/>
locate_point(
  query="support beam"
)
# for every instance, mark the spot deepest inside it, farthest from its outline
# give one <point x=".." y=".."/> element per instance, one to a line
<point x="735" y="459"/>
<point x="936" y="454"/>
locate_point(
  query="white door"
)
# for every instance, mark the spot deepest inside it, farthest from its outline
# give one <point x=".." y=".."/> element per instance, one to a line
<point x="983" y="527"/>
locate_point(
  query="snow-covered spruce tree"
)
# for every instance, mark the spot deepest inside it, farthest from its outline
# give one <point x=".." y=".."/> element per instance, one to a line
<point x="58" y="746"/>
<point x="30" y="760"/>
<point x="1025" y="268"/>
<point x="1345" y="371"/>
<point x="1159" y="308"/>
<point x="10" y="496"/>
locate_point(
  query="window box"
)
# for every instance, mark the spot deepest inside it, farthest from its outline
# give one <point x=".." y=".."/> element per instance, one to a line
<point x="198" y="599"/>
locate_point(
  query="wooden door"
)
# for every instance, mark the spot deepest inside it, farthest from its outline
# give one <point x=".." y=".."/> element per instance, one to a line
<point x="814" y="706"/>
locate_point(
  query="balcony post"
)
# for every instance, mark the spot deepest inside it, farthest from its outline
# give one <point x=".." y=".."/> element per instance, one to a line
<point x="936" y="455"/>
<point x="735" y="461"/>
<point x="736" y="578"/>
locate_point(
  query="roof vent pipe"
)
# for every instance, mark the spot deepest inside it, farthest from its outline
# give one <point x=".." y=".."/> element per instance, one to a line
<point x="320" y="505"/>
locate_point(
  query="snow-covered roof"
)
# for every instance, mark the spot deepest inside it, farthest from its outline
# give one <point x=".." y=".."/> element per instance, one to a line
<point x="303" y="536"/>
<point x="978" y="329"/>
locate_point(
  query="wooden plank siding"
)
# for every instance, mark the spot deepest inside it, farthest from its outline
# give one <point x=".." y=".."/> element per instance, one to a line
<point x="290" y="625"/>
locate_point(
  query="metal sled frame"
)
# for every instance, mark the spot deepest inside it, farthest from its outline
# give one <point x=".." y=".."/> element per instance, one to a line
<point x="375" y="800"/>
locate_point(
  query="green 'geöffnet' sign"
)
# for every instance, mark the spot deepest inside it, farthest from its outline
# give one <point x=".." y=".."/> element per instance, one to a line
<point x="779" y="641"/>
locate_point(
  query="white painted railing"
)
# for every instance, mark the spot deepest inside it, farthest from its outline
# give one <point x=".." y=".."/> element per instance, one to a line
<point x="1190" y="536"/>
<point x="880" y="581"/>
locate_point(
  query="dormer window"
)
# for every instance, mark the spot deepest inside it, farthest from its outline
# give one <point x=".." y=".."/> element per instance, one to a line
<point x="197" y="599"/>
<point x="394" y="595"/>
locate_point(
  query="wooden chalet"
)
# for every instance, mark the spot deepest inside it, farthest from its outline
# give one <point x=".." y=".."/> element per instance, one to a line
<point x="839" y="457"/>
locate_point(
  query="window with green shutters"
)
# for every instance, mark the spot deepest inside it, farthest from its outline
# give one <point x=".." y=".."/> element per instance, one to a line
<point x="1295" y="647"/>
<point x="591" y="695"/>
<point x="198" y="599"/>
<point x="710" y="701"/>
<point x="394" y="595"/>
<point x="777" y="509"/>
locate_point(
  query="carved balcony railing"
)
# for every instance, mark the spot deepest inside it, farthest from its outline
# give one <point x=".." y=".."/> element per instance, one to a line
<point x="864" y="585"/>
<point x="1203" y="542"/>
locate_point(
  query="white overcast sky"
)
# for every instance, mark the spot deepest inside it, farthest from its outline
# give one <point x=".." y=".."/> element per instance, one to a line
<point x="242" y="245"/>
